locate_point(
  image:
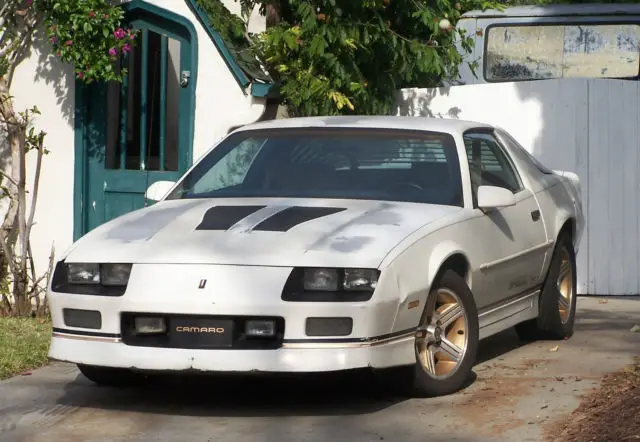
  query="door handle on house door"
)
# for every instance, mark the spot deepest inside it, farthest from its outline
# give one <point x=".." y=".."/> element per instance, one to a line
<point x="535" y="215"/>
<point x="184" y="78"/>
<point x="94" y="206"/>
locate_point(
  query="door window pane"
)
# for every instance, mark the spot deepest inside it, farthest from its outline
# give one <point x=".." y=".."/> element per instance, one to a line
<point x="173" y="105"/>
<point x="149" y="100"/>
<point x="488" y="164"/>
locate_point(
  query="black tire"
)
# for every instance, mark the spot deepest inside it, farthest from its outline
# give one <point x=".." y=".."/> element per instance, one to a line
<point x="419" y="382"/>
<point x="112" y="377"/>
<point x="549" y="324"/>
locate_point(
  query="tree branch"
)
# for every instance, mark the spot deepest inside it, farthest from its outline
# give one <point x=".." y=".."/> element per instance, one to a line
<point x="36" y="186"/>
<point x="11" y="180"/>
<point x="23" y="45"/>
<point x="8" y="253"/>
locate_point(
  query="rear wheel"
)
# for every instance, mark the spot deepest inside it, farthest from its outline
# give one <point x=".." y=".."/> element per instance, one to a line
<point x="113" y="377"/>
<point x="558" y="299"/>
<point x="446" y="341"/>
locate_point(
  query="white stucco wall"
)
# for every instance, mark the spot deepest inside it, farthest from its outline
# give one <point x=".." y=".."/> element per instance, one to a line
<point x="43" y="81"/>
<point x="257" y="23"/>
<point x="220" y="105"/>
<point x="589" y="127"/>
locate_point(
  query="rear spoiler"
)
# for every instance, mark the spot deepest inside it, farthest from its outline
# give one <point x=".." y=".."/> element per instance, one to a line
<point x="572" y="177"/>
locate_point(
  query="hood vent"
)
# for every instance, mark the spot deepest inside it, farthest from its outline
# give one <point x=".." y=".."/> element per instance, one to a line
<point x="223" y="217"/>
<point x="292" y="216"/>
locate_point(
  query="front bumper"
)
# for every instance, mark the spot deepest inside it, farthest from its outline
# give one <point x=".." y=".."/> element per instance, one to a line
<point x="318" y="358"/>
<point x="375" y="340"/>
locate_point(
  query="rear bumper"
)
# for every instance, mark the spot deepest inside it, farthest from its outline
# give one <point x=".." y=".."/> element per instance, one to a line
<point x="293" y="357"/>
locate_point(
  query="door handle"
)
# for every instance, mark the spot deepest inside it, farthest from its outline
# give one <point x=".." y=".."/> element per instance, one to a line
<point x="535" y="215"/>
<point x="184" y="78"/>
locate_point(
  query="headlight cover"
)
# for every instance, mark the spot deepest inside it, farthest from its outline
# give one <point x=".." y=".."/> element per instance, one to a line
<point x="115" y="274"/>
<point x="332" y="280"/>
<point x="322" y="284"/>
<point x="109" y="274"/>
<point x="325" y="280"/>
<point x="78" y="273"/>
<point x="360" y="279"/>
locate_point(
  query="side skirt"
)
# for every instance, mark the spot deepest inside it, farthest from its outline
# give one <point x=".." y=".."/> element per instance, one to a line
<point x="500" y="317"/>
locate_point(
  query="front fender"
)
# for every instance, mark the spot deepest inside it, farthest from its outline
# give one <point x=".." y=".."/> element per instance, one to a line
<point x="415" y="270"/>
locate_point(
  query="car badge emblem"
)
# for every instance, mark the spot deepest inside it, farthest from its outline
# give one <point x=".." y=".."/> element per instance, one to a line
<point x="203" y="282"/>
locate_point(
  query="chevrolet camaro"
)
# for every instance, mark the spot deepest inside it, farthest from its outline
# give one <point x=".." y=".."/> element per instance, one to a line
<point x="327" y="244"/>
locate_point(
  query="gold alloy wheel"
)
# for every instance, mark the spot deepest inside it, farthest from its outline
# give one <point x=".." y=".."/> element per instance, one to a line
<point x="565" y="285"/>
<point x="441" y="339"/>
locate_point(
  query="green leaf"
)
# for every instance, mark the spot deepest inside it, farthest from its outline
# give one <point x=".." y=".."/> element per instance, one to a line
<point x="291" y="40"/>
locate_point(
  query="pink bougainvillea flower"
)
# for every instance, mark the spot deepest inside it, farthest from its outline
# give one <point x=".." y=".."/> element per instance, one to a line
<point x="80" y="75"/>
<point x="92" y="14"/>
<point x="126" y="48"/>
<point x="69" y="42"/>
<point x="119" y="33"/>
<point x="29" y="2"/>
<point x="106" y="16"/>
<point x="113" y="52"/>
<point x="53" y="40"/>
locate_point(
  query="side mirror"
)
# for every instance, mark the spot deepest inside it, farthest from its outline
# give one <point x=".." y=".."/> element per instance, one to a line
<point x="158" y="190"/>
<point x="493" y="197"/>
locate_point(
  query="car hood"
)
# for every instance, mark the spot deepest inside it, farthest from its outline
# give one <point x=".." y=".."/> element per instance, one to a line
<point x="258" y="231"/>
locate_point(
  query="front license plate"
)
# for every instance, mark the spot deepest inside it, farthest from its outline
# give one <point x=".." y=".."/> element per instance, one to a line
<point x="201" y="332"/>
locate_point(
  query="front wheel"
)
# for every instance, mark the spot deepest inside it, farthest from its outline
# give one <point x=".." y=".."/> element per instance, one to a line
<point x="446" y="342"/>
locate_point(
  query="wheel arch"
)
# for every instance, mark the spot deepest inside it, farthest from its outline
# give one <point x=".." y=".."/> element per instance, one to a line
<point x="567" y="226"/>
<point x="449" y="256"/>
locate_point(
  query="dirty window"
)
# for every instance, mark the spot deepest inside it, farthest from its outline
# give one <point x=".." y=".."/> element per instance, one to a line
<point x="231" y="169"/>
<point x="342" y="163"/>
<point x="488" y="164"/>
<point x="533" y="52"/>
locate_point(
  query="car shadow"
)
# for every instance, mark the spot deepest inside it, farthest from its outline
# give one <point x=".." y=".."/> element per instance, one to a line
<point x="498" y="345"/>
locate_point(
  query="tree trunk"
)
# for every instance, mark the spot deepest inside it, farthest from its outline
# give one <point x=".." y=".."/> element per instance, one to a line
<point x="272" y="12"/>
<point x="20" y="288"/>
<point x="14" y="182"/>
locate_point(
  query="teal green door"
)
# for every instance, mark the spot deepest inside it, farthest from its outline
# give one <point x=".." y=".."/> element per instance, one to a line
<point x="139" y="131"/>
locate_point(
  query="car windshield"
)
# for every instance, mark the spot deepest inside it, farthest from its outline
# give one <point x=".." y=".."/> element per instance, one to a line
<point x="373" y="164"/>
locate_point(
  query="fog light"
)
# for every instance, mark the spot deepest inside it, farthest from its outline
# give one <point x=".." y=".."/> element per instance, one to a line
<point x="149" y="325"/>
<point x="262" y="328"/>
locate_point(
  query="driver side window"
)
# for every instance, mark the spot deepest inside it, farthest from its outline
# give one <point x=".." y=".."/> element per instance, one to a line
<point x="488" y="164"/>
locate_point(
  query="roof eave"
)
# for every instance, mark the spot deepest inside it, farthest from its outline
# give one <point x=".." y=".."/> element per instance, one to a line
<point x="265" y="90"/>
<point x="255" y="88"/>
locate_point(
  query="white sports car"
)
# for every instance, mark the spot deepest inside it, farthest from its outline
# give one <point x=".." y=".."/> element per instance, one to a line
<point x="327" y="244"/>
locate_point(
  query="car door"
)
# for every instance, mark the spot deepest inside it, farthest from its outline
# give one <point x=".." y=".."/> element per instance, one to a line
<point x="513" y="239"/>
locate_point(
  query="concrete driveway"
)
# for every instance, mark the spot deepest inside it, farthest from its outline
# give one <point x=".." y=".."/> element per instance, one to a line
<point x="517" y="392"/>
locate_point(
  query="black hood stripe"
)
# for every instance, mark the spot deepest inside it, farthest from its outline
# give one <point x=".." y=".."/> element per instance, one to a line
<point x="292" y="216"/>
<point x="223" y="217"/>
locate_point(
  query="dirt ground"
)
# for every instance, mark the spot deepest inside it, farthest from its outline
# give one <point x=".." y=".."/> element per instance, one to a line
<point x="610" y="412"/>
